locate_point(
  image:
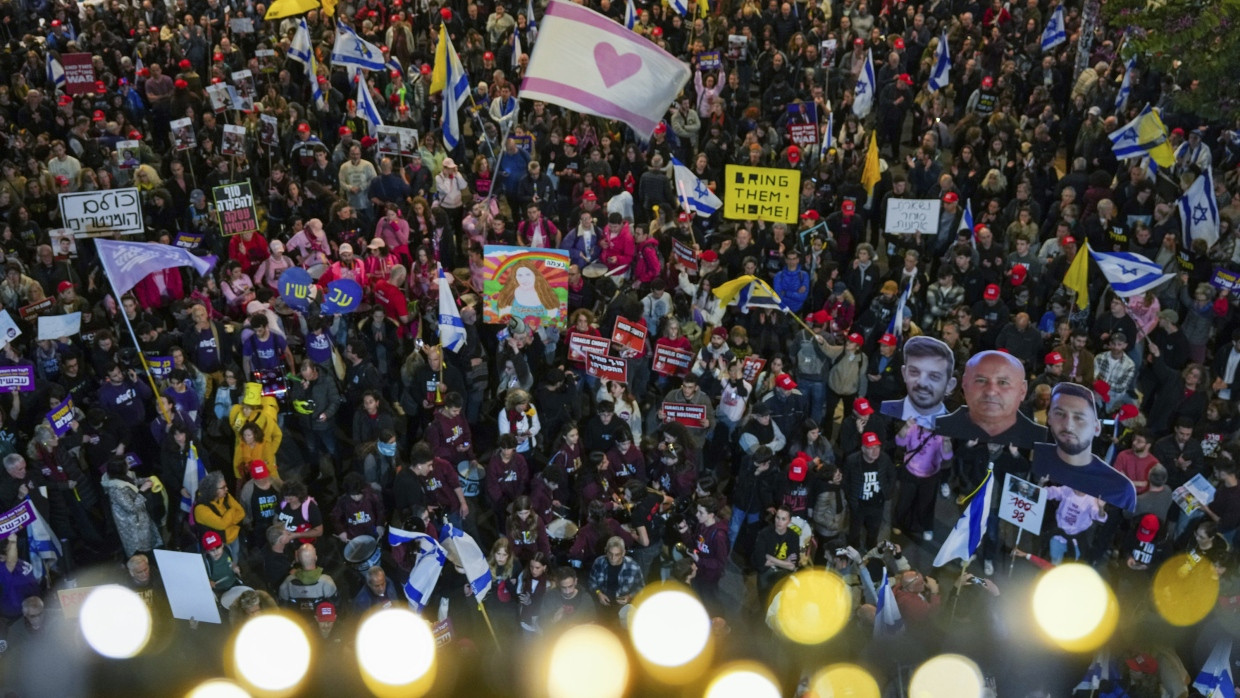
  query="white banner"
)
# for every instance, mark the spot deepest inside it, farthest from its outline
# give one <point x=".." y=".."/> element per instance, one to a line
<point x="96" y="213"/>
<point x="913" y="216"/>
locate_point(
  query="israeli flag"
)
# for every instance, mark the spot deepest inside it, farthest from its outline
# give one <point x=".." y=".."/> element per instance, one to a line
<point x="195" y="471"/>
<point x="828" y="138"/>
<point x="1125" y="87"/>
<point x="300" y="48"/>
<point x="1128" y="273"/>
<point x="366" y="104"/>
<point x="863" y="93"/>
<point x="681" y="6"/>
<point x="1055" y="32"/>
<point x="451" y="328"/>
<point x="1126" y="141"/>
<point x="966" y="222"/>
<point x="1215" y="680"/>
<point x="896" y="326"/>
<point x="966" y="536"/>
<point x="55" y="73"/>
<point x="516" y="49"/>
<point x="464" y="552"/>
<point x="1099" y="670"/>
<point x="940" y="75"/>
<point x="887" y="618"/>
<point x="530" y="17"/>
<point x="394" y="65"/>
<point x="316" y="90"/>
<point x="427" y="567"/>
<point x="351" y="49"/>
<point x="630" y="15"/>
<point x="700" y="199"/>
<point x="1199" y="211"/>
<point x="455" y="95"/>
<point x="44" y="545"/>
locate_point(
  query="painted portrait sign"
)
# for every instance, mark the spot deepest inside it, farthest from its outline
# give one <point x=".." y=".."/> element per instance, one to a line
<point x="530" y="283"/>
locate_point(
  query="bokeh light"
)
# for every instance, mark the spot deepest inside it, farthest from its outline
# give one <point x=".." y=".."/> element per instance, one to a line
<point x="843" y="681"/>
<point x="814" y="605"/>
<point x="588" y="661"/>
<point x="218" y="688"/>
<point x="743" y="680"/>
<point x="115" y="622"/>
<point x="947" y="676"/>
<point x="669" y="628"/>
<point x="396" y="650"/>
<point x="272" y="653"/>
<point x="1184" y="591"/>
<point x="1074" y="607"/>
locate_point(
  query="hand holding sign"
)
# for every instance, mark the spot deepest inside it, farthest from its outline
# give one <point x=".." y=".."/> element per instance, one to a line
<point x="342" y="296"/>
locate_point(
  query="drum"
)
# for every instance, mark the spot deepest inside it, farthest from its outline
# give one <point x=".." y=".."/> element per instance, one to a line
<point x="228" y="598"/>
<point x="471" y="478"/>
<point x="802" y="528"/>
<point x="362" y="553"/>
<point x="316" y="270"/>
<point x="594" y="270"/>
<point x="562" y="532"/>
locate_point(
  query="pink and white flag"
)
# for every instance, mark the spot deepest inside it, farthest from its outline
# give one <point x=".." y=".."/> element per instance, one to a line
<point x="588" y="63"/>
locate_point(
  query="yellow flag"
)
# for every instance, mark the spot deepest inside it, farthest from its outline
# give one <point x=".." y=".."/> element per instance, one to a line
<point x="1077" y="277"/>
<point x="329" y="7"/>
<point x="1152" y="135"/>
<point x="870" y="175"/>
<point x="439" y="76"/>
<point x="290" y="8"/>
<point x="704" y="8"/>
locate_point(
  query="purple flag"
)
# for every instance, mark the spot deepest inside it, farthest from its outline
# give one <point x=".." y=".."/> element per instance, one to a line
<point x="126" y="263"/>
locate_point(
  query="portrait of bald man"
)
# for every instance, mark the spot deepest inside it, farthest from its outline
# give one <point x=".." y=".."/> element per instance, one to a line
<point x="994" y="387"/>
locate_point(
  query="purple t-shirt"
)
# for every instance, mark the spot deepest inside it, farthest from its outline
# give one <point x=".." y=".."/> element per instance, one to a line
<point x="319" y="347"/>
<point x="265" y="355"/>
<point x="15" y="586"/>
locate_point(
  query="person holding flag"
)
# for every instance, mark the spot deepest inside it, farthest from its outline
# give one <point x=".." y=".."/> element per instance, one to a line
<point x="863" y="91"/>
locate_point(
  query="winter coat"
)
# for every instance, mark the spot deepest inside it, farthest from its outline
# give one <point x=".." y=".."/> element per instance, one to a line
<point x="133" y="523"/>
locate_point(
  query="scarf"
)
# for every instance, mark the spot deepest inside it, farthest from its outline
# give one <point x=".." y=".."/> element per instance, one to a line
<point x="514" y="420"/>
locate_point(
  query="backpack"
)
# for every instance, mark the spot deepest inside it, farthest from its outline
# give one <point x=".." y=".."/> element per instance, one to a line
<point x="810" y="363"/>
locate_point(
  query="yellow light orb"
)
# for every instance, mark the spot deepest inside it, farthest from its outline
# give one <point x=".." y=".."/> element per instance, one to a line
<point x="1184" y="592"/>
<point x="396" y="648"/>
<point x="947" y="676"/>
<point x="743" y="680"/>
<point x="588" y="661"/>
<point x="115" y="622"/>
<point x="272" y="653"/>
<point x="669" y="628"/>
<point x="814" y="605"/>
<point x="218" y="688"/>
<point x="1074" y="607"/>
<point x="844" y="681"/>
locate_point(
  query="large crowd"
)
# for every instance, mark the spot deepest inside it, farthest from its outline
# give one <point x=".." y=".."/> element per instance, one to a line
<point x="320" y="432"/>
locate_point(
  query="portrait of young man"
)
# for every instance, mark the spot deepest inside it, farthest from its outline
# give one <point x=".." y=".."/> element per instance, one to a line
<point x="929" y="373"/>
<point x="1073" y="423"/>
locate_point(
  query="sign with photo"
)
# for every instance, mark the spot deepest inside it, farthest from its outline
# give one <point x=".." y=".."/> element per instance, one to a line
<point x="222" y="97"/>
<point x="802" y="124"/>
<point x="234" y="140"/>
<point x="95" y="213"/>
<point x="268" y="130"/>
<point x="247" y="93"/>
<point x="235" y="205"/>
<point x="183" y="136"/>
<point x="64" y="245"/>
<point x="389" y="140"/>
<point x="1023" y="504"/>
<point x="128" y="154"/>
<point x="629" y="335"/>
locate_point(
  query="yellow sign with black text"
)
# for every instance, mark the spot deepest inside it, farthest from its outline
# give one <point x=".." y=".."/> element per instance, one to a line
<point x="761" y="193"/>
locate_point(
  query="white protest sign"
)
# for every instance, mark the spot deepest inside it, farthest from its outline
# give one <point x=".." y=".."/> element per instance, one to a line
<point x="96" y="213"/>
<point x="186" y="584"/>
<point x="57" y="326"/>
<point x="913" y="215"/>
<point x="1023" y="504"/>
<point x="8" y="329"/>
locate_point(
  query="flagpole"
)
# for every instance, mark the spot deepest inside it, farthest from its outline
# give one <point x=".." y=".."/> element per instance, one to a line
<point x="482" y="609"/>
<point x="141" y="357"/>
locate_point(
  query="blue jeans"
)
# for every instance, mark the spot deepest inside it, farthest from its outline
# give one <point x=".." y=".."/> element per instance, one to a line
<point x="816" y="392"/>
<point x="739" y="519"/>
<point x="1059" y="547"/>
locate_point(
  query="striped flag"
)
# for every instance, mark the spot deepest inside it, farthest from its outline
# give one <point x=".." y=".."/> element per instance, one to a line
<point x="456" y="90"/>
<point x="451" y="328"/>
<point x="300" y="48"/>
<point x="316" y="89"/>
<point x="351" y="49"/>
<point x="896" y="326"/>
<point x="55" y="73"/>
<point x="427" y="566"/>
<point x="630" y="14"/>
<point x="828" y="138"/>
<point x="195" y="471"/>
<point x="464" y="552"/>
<point x="1215" y="680"/>
<point x="1056" y="32"/>
<point x="940" y="75"/>
<point x="680" y="6"/>
<point x="1130" y="274"/>
<point x="966" y="222"/>
<point x="747" y="292"/>
<point x="863" y="93"/>
<point x="966" y="536"/>
<point x="698" y="197"/>
<point x="589" y="64"/>
<point x="516" y="49"/>
<point x="366" y="104"/>
<point x="887" y="618"/>
<point x="1199" y="211"/>
<point x="1099" y="670"/>
<point x="44" y="545"/>
<point x="1125" y="87"/>
<point x="1144" y="135"/>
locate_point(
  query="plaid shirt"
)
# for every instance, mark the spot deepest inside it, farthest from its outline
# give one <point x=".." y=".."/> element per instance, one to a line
<point x="1118" y="373"/>
<point x="630" y="579"/>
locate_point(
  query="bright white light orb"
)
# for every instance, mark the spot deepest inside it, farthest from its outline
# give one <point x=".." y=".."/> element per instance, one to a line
<point x="947" y="676"/>
<point x="272" y="653"/>
<point x="669" y="628"/>
<point x="115" y="622"/>
<point x="218" y="688"/>
<point x="743" y="681"/>
<point x="1070" y="602"/>
<point x="395" y="647"/>
<point x="587" y="662"/>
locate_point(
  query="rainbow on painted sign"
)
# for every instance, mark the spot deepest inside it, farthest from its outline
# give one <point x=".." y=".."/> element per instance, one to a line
<point x="528" y="283"/>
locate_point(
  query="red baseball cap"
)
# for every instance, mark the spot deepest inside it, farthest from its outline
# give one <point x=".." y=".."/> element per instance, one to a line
<point x="303" y="128"/>
<point x="951" y="197"/>
<point x="1127" y="412"/>
<point x="785" y="381"/>
<point x="794" y="154"/>
<point x="709" y="256"/>
<point x="858" y="42"/>
<point x="184" y="64"/>
<point x="1054" y="358"/>
<point x="988" y="82"/>
<point x="325" y="612"/>
<point x="589" y="195"/>
<point x="992" y="292"/>
<point x="899" y="44"/>
<point x="64" y="286"/>
<point x="683" y="217"/>
<point x="904" y="78"/>
<point x="856" y="338"/>
<point x="870" y="439"/>
<point x="218" y="58"/>
<point x="1148" y="528"/>
<point x="848" y="206"/>
<point x="425" y="69"/>
<point x="345" y="131"/>
<point x="657" y="31"/>
<point x="180" y="84"/>
<point x="820" y="318"/>
<point x="798" y="469"/>
<point x="211" y="540"/>
<point x="135" y="136"/>
<point x="810" y="215"/>
<point x="99" y="115"/>
<point x="1069" y="240"/>
<point x="570" y="140"/>
<point x="887" y="340"/>
<point x="258" y="470"/>
<point x="1017" y="274"/>
<point x="862" y="407"/>
<point x="488" y="56"/>
<point x="661" y="128"/>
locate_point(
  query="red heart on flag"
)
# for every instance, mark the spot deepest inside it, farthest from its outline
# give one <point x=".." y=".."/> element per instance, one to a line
<point x="614" y="67"/>
<point x="532" y="322"/>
